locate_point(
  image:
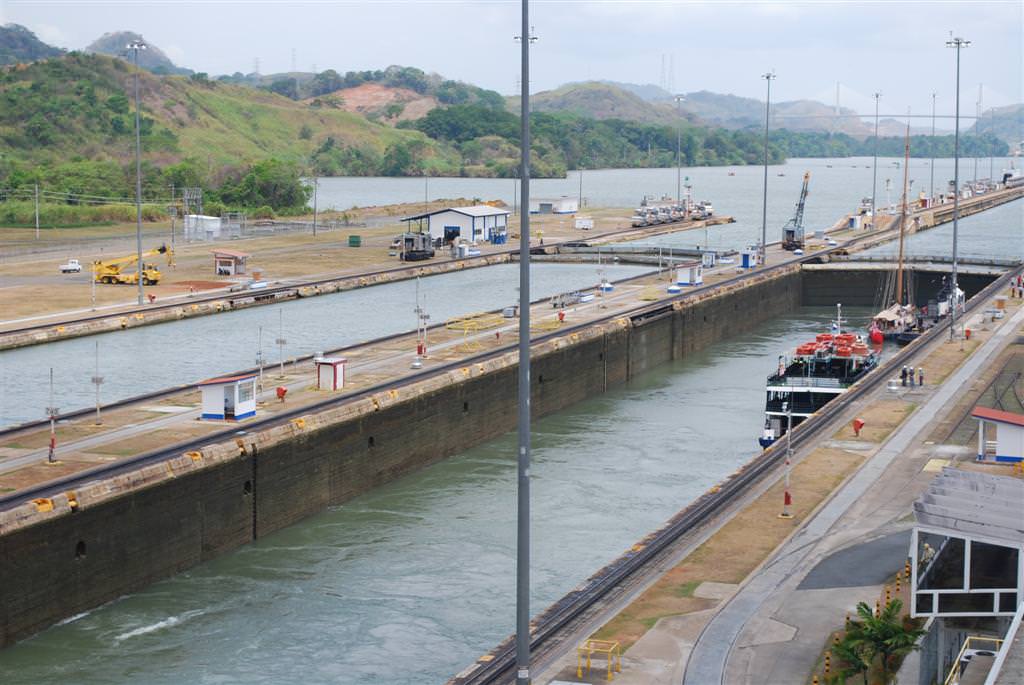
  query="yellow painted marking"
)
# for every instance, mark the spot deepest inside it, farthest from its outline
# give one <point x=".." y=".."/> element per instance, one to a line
<point x="43" y="504"/>
<point x="935" y="465"/>
<point x="299" y="423"/>
<point x="194" y="456"/>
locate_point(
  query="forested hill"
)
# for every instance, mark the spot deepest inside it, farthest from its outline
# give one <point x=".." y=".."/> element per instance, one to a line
<point x="68" y="122"/>
<point x="18" y="44"/>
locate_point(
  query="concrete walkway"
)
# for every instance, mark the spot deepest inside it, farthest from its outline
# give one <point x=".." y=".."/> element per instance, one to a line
<point x="712" y="658"/>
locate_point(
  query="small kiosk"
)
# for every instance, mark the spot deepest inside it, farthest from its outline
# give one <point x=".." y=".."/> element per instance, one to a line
<point x="229" y="262"/>
<point x="229" y="398"/>
<point x="1000" y="435"/>
<point x="690" y="273"/>
<point x="750" y="258"/>
<point x="330" y="373"/>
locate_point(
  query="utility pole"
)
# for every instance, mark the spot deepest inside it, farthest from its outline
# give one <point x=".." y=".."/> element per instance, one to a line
<point x="259" y="355"/>
<point x="977" y="131"/>
<point x="134" y="47"/>
<point x="52" y="411"/>
<point x="874" y="164"/>
<point x="579" y="202"/>
<point x="526" y="38"/>
<point x="679" y="147"/>
<point x="316" y="183"/>
<point x="931" y="194"/>
<point x="958" y="44"/>
<point x="173" y="211"/>
<point x="768" y="77"/>
<point x="281" y="342"/>
<point x="787" y="500"/>
<point x="97" y="380"/>
<point x="37" y="211"/>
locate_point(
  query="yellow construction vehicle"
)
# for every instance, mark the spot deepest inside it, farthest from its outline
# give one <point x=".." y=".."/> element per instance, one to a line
<point x="109" y="270"/>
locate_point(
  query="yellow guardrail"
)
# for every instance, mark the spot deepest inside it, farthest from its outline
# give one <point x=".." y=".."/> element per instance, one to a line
<point x="991" y="644"/>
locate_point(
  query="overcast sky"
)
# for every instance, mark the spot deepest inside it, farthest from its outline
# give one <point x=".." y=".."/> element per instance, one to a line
<point x="891" y="46"/>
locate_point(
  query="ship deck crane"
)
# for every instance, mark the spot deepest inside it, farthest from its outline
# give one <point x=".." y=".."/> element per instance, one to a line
<point x="793" y="231"/>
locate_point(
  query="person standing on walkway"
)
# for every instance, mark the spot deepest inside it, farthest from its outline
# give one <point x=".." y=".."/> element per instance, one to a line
<point x="910" y="376"/>
<point x="920" y="375"/>
<point x="903" y="376"/>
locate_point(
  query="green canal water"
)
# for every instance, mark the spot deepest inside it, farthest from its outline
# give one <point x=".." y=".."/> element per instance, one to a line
<point x="412" y="582"/>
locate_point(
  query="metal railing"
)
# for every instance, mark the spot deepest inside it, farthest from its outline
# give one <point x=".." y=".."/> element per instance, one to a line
<point x="973" y="643"/>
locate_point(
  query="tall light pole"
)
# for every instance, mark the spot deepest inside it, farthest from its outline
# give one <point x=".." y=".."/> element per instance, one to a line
<point x="679" y="147"/>
<point x="932" y="173"/>
<point x="523" y="462"/>
<point x="768" y="77"/>
<point x="134" y="48"/>
<point x="874" y="164"/>
<point x="956" y="43"/>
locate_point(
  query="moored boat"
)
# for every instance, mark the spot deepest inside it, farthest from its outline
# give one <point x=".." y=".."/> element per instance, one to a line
<point x="815" y="373"/>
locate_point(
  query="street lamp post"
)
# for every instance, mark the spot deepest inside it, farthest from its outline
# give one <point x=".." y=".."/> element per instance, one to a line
<point x="523" y="420"/>
<point x="874" y="164"/>
<point x="932" y="173"/>
<point x="956" y="43"/>
<point x="134" y="48"/>
<point x="679" y="148"/>
<point x="768" y="77"/>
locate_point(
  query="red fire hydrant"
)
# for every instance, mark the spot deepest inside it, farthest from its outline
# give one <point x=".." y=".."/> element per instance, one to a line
<point x="857" y="425"/>
<point x="281" y="392"/>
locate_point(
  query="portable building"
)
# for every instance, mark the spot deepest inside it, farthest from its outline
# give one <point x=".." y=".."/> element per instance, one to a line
<point x="474" y="224"/>
<point x="229" y="398"/>
<point x="558" y="205"/>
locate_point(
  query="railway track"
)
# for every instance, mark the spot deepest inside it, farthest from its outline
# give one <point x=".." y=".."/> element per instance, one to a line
<point x="499" y="665"/>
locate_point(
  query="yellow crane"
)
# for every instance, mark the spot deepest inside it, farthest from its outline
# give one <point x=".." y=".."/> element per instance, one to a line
<point x="109" y="270"/>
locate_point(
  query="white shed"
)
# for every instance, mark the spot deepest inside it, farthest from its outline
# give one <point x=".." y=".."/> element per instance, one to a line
<point x="473" y="224"/>
<point x="230" y="397"/>
<point x="202" y="227"/>
<point x="690" y="273"/>
<point x="558" y="205"/>
<point x="1000" y="435"/>
<point x="330" y="373"/>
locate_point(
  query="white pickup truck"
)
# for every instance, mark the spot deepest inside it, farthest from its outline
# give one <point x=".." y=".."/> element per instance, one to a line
<point x="73" y="266"/>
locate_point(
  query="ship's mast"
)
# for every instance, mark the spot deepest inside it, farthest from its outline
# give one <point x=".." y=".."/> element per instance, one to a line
<point x="903" y="217"/>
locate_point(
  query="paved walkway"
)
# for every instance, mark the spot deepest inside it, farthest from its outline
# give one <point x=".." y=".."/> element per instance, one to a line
<point x="712" y="658"/>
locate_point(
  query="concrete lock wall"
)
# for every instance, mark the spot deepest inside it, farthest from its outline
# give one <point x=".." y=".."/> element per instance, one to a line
<point x="862" y="287"/>
<point x="117" y="540"/>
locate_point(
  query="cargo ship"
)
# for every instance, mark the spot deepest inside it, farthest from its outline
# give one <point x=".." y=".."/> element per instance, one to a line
<point x="812" y="376"/>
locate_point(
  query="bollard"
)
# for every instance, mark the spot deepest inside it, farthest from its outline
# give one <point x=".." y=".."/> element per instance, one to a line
<point x="888" y="595"/>
<point x="847" y="624"/>
<point x="815" y="681"/>
<point x="906" y="569"/>
<point x="897" y="583"/>
<point x="835" y="639"/>
<point x="828" y="664"/>
<point x="857" y="425"/>
<point x="878" y="608"/>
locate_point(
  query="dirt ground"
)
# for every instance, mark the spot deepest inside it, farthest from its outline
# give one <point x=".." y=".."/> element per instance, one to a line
<point x="31" y="285"/>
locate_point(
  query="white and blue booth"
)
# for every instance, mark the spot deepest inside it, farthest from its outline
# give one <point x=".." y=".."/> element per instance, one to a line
<point x="230" y="398"/>
<point x="1000" y="435"/>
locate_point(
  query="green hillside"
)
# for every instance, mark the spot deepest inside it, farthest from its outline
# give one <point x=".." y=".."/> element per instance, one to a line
<point x="81" y="103"/>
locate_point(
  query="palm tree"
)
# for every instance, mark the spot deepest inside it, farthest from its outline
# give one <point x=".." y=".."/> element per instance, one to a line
<point x="885" y="636"/>
<point x="856" y="655"/>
